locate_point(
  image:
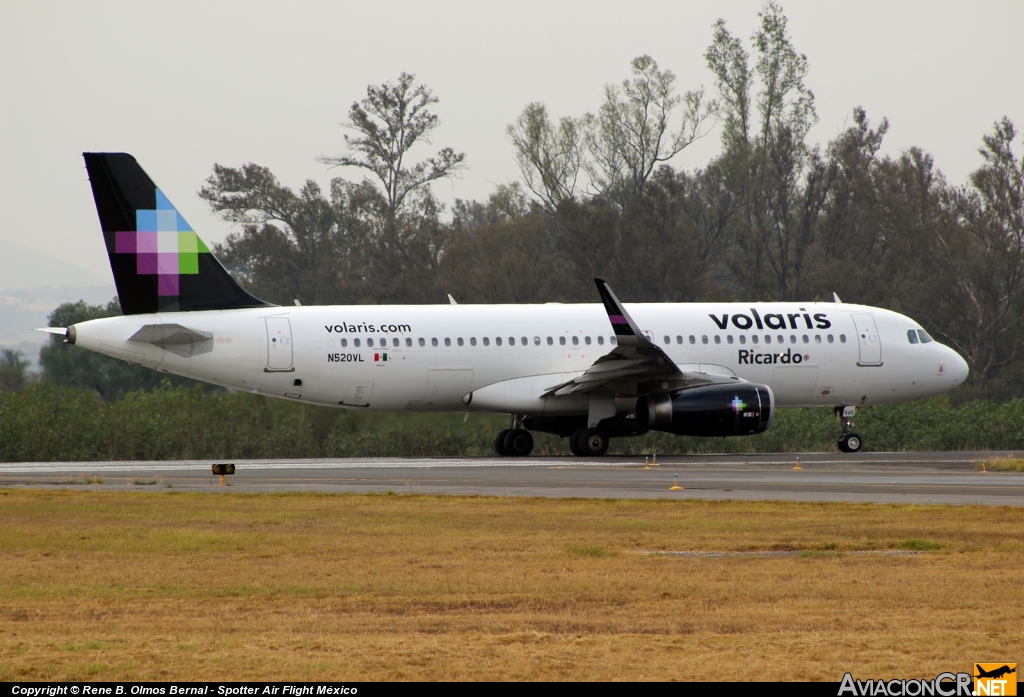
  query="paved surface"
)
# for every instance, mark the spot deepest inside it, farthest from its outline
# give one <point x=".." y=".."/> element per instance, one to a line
<point x="943" y="478"/>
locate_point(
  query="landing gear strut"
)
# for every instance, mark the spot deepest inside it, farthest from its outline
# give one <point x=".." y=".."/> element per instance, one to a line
<point x="849" y="442"/>
<point x="515" y="441"/>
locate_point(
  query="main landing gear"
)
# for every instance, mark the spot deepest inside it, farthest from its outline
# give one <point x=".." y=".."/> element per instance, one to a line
<point x="849" y="442"/>
<point x="588" y="442"/>
<point x="515" y="441"/>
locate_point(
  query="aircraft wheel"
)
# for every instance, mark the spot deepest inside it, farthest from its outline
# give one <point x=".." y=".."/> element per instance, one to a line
<point x="499" y="442"/>
<point x="518" y="443"/>
<point x="850" y="443"/>
<point x="593" y="442"/>
<point x="574" y="441"/>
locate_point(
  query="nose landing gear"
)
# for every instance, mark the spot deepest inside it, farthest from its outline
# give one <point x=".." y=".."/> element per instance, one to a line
<point x="849" y="442"/>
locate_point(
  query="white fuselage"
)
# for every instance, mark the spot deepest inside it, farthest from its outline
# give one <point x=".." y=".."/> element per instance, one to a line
<point x="432" y="357"/>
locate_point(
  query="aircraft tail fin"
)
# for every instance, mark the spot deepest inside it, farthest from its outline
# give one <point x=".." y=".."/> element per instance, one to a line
<point x="159" y="262"/>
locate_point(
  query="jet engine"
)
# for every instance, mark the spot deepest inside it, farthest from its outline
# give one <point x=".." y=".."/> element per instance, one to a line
<point x="738" y="409"/>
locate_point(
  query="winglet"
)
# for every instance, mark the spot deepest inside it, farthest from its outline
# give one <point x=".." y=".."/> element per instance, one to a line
<point x="451" y="300"/>
<point x="626" y="331"/>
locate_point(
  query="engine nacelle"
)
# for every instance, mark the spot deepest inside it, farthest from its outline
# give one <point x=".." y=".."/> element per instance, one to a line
<point x="740" y="409"/>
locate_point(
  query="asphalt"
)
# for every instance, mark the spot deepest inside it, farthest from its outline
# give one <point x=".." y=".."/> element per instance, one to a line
<point x="919" y="477"/>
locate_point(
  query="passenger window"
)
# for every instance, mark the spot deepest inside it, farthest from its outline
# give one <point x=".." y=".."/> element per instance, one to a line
<point x="754" y="339"/>
<point x="561" y="340"/>
<point x="612" y="340"/>
<point x="729" y="338"/>
<point x="408" y="341"/>
<point x="767" y="339"/>
<point x="433" y="342"/>
<point x="782" y="339"/>
<point x="395" y="342"/>
<point x="807" y="339"/>
<point x="831" y="339"/>
<point x="693" y="339"/>
<point x="668" y="340"/>
<point x="718" y="339"/>
<point x="497" y="341"/>
<point x="511" y="341"/>
<point x="355" y="342"/>
<point x="792" y="339"/>
<point x="536" y="341"/>
<point x="575" y="341"/>
<point x="912" y="335"/>
<point x="924" y="336"/>
<point x="817" y="338"/>
<point x="472" y="341"/>
<point x="600" y="340"/>
<point x="524" y="342"/>
<point x="344" y="342"/>
<point x="487" y="341"/>
<point x="550" y="341"/>
<point x="459" y="341"/>
<point x="587" y="341"/>
<point x="842" y="338"/>
<point x="447" y="341"/>
<point x="422" y="341"/>
<point x="704" y="339"/>
<point x="369" y="342"/>
<point x="679" y="339"/>
<point x="743" y="338"/>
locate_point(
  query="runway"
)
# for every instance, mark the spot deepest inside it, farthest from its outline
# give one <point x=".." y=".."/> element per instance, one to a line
<point x="920" y="478"/>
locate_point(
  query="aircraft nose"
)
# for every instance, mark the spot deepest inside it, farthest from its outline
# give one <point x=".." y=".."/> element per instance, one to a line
<point x="960" y="368"/>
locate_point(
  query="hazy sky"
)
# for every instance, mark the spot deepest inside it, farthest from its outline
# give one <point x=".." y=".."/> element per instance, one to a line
<point x="184" y="84"/>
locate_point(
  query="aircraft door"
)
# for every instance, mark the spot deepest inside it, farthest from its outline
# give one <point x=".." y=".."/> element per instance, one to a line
<point x="794" y="384"/>
<point x="279" y="345"/>
<point x="868" y="340"/>
<point x="446" y="387"/>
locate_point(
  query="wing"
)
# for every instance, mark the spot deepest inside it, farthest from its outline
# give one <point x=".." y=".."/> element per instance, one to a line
<point x="636" y="365"/>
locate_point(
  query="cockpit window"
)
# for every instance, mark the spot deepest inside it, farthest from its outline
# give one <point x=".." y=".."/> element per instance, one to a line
<point x="912" y="335"/>
<point x="924" y="336"/>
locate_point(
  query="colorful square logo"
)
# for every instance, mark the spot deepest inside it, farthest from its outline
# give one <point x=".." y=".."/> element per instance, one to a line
<point x="163" y="244"/>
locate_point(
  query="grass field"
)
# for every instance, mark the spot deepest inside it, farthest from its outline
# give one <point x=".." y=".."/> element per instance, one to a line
<point x="169" y="585"/>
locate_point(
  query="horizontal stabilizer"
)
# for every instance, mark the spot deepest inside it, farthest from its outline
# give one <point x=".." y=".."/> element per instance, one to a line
<point x="175" y="338"/>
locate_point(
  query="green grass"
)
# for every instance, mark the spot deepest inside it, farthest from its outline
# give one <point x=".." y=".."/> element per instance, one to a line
<point x="919" y="545"/>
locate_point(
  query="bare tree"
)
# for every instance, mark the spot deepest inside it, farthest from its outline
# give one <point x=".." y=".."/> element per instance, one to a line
<point x="549" y="157"/>
<point x="388" y="123"/>
<point x="632" y="134"/>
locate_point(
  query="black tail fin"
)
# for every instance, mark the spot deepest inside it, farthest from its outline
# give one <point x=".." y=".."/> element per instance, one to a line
<point x="159" y="263"/>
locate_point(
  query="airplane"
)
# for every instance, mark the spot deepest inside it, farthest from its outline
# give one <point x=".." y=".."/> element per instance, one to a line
<point x="995" y="673"/>
<point x="586" y="372"/>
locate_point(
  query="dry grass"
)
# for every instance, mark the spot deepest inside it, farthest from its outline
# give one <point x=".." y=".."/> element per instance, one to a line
<point x="1007" y="463"/>
<point x="162" y="585"/>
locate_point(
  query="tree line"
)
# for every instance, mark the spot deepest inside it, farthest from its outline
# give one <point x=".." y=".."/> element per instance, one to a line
<point x="771" y="217"/>
<point x="51" y="423"/>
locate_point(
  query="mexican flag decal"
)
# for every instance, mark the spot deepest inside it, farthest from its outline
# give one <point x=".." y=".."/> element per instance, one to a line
<point x="378" y="357"/>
